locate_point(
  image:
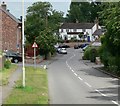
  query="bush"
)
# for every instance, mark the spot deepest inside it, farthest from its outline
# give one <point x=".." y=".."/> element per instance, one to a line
<point x="91" y="53"/>
<point x="7" y="64"/>
<point x="87" y="54"/>
<point x="114" y="64"/>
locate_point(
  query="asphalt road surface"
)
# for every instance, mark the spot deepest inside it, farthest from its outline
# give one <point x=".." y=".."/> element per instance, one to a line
<point x="73" y="82"/>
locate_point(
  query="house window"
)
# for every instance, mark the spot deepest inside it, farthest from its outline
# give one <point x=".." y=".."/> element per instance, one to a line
<point x="74" y="30"/>
<point x="83" y="30"/>
<point x="67" y="30"/>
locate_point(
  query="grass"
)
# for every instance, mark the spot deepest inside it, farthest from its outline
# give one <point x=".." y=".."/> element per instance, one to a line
<point x="6" y="73"/>
<point x="35" y="91"/>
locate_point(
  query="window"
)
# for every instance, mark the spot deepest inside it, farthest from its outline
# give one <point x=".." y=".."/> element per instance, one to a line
<point x="74" y="30"/>
<point x="67" y="30"/>
<point x="83" y="30"/>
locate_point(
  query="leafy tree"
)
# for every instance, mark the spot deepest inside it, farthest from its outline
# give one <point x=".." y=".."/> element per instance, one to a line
<point x="83" y="11"/>
<point x="111" y="42"/>
<point x="41" y="24"/>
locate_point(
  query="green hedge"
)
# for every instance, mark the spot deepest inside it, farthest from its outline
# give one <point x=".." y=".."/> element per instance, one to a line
<point x="91" y="53"/>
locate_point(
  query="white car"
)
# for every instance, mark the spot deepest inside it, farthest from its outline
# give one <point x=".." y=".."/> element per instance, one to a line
<point x="62" y="51"/>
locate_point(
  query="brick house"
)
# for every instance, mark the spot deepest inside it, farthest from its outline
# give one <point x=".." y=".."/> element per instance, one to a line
<point x="10" y="31"/>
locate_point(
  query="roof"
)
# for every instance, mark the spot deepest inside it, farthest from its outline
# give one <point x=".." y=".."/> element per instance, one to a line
<point x="77" y="25"/>
<point x="98" y="32"/>
<point x="9" y="14"/>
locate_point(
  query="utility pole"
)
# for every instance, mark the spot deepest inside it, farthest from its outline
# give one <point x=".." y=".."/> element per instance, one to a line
<point x="23" y="44"/>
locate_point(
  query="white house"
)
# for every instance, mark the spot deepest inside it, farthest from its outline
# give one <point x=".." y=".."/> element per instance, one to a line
<point x="70" y="30"/>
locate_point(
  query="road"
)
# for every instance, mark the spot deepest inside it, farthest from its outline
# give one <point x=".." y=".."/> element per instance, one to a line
<point x="73" y="82"/>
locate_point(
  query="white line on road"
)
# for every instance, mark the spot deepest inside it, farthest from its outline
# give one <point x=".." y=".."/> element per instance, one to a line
<point x="80" y="78"/>
<point x="72" y="70"/>
<point x="75" y="74"/>
<point x="88" y="84"/>
<point x="100" y="92"/>
<point x="115" y="102"/>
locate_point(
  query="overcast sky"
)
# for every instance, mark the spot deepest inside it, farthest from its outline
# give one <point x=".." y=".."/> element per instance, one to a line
<point x="16" y="7"/>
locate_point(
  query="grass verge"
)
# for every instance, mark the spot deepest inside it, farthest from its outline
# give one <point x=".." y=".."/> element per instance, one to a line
<point x="35" y="91"/>
<point x="6" y="73"/>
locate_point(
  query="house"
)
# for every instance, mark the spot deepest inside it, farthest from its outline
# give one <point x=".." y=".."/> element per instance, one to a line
<point x="10" y="30"/>
<point x="70" y="30"/>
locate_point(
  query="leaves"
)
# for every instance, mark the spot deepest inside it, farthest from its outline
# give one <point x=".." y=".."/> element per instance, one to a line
<point x="41" y="24"/>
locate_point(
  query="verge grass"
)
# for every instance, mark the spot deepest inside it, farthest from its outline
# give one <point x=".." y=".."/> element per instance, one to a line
<point x="35" y="91"/>
<point x="6" y="73"/>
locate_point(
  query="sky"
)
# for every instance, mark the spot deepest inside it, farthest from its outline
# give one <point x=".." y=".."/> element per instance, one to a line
<point x="15" y="6"/>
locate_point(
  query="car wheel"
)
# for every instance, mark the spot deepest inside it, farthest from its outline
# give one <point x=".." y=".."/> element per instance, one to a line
<point x="16" y="60"/>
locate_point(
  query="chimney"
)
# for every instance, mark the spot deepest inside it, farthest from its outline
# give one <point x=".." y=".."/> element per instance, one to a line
<point x="3" y="5"/>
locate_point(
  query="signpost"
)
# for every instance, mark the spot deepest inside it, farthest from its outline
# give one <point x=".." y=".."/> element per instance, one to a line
<point x="34" y="46"/>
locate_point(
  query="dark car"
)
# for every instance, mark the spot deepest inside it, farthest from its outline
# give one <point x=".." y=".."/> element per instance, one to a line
<point x="76" y="46"/>
<point x="15" y="57"/>
<point x="83" y="45"/>
<point x="64" y="46"/>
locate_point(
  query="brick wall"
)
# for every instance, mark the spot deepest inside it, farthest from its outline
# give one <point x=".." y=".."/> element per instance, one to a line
<point x="1" y="62"/>
<point x="10" y="31"/>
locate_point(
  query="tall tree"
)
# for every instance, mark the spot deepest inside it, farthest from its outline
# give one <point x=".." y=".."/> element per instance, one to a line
<point x="83" y="11"/>
<point x="111" y="41"/>
<point x="41" y="23"/>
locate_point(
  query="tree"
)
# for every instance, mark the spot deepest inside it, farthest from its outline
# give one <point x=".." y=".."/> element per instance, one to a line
<point x="111" y="41"/>
<point x="83" y="11"/>
<point x="41" y="24"/>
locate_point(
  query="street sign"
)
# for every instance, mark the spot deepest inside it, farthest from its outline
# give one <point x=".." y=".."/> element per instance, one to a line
<point x="34" y="45"/>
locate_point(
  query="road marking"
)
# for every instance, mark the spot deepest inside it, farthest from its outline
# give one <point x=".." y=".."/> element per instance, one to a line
<point x="88" y="84"/>
<point x="115" y="102"/>
<point x="75" y="74"/>
<point x="80" y="78"/>
<point x="100" y="92"/>
<point x="72" y="70"/>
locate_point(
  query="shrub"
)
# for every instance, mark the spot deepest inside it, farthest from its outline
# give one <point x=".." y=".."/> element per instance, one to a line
<point x="91" y="53"/>
<point x="7" y="64"/>
<point x="87" y="54"/>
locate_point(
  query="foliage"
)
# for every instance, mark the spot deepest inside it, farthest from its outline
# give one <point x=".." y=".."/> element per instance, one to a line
<point x="83" y="11"/>
<point x="6" y="73"/>
<point x="91" y="53"/>
<point x="35" y="91"/>
<point x="111" y="42"/>
<point x="41" y="24"/>
<point x="74" y="39"/>
<point x="46" y="42"/>
<point x="7" y="64"/>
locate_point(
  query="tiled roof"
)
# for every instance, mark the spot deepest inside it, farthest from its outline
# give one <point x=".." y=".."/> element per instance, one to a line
<point x="77" y="25"/>
<point x="98" y="32"/>
<point x="9" y="14"/>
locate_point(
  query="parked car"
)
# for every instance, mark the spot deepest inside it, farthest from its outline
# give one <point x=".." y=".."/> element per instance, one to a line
<point x="15" y="57"/>
<point x="83" y="45"/>
<point x="62" y="51"/>
<point x="64" y="46"/>
<point x="84" y="48"/>
<point x="76" y="46"/>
